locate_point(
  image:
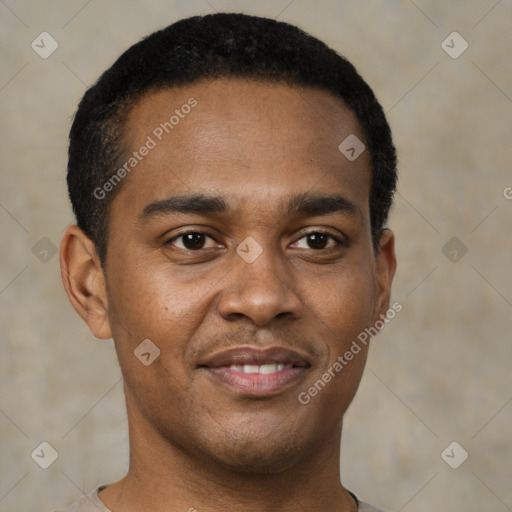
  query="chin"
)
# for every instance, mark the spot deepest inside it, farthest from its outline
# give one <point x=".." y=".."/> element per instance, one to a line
<point x="257" y="460"/>
<point x="245" y="450"/>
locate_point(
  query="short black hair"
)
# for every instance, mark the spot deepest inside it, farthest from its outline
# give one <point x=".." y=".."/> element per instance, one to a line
<point x="222" y="45"/>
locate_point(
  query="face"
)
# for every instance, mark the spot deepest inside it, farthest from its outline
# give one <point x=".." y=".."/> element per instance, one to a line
<point x="240" y="245"/>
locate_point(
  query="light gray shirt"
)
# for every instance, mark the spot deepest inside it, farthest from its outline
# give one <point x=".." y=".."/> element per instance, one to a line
<point x="91" y="503"/>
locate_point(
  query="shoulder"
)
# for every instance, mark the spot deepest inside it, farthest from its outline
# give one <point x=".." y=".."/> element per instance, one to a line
<point x="365" y="507"/>
<point x="87" y="503"/>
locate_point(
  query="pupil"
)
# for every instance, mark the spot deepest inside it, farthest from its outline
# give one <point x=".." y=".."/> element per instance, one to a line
<point x="193" y="240"/>
<point x="317" y="240"/>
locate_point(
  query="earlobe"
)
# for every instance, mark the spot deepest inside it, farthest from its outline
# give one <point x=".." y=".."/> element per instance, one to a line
<point x="384" y="272"/>
<point x="84" y="280"/>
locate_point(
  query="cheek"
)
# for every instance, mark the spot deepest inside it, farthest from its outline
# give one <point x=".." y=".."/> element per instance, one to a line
<point x="343" y="304"/>
<point x="342" y="313"/>
<point x="351" y="312"/>
<point x="160" y="304"/>
<point x="153" y="299"/>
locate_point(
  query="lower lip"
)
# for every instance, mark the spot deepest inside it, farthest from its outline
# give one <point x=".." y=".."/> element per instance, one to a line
<point x="257" y="384"/>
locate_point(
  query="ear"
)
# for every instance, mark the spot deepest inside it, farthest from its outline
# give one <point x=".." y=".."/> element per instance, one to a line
<point x="385" y="266"/>
<point x="84" y="280"/>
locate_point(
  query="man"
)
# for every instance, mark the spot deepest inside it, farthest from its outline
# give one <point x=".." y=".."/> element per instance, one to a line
<point x="231" y="177"/>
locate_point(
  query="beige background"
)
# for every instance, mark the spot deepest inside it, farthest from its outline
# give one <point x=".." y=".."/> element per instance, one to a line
<point x="440" y="372"/>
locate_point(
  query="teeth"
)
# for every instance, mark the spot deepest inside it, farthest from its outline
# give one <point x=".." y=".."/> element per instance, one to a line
<point x="263" y="368"/>
<point x="270" y="368"/>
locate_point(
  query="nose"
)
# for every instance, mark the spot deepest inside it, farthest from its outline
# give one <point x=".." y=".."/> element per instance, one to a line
<point x="261" y="290"/>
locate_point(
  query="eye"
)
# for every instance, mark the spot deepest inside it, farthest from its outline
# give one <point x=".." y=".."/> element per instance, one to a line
<point x="318" y="240"/>
<point x="192" y="241"/>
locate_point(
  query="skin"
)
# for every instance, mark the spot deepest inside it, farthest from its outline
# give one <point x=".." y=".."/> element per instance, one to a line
<point x="193" y="441"/>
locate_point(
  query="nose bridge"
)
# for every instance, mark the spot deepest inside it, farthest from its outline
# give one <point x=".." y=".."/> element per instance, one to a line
<point x="260" y="285"/>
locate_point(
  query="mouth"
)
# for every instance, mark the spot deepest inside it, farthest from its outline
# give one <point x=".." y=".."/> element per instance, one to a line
<point x="255" y="372"/>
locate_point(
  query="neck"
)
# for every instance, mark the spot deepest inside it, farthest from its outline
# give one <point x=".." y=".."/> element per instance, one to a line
<point x="163" y="477"/>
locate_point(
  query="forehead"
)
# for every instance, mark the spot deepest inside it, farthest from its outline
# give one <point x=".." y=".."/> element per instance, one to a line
<point x="243" y="138"/>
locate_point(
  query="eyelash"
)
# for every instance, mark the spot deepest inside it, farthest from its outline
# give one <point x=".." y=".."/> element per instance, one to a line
<point x="339" y="241"/>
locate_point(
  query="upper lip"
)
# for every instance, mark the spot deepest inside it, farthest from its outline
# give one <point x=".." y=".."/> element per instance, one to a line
<point x="256" y="356"/>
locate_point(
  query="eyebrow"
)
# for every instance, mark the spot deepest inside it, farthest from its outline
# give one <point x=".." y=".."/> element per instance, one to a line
<point x="204" y="204"/>
<point x="317" y="204"/>
<point x="194" y="203"/>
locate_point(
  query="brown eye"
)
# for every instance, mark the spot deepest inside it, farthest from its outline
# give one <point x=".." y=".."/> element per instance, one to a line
<point x="190" y="241"/>
<point x="318" y="240"/>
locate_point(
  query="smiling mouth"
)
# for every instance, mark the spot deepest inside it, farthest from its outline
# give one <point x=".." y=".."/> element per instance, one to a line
<point x="256" y="372"/>
<point x="265" y="369"/>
